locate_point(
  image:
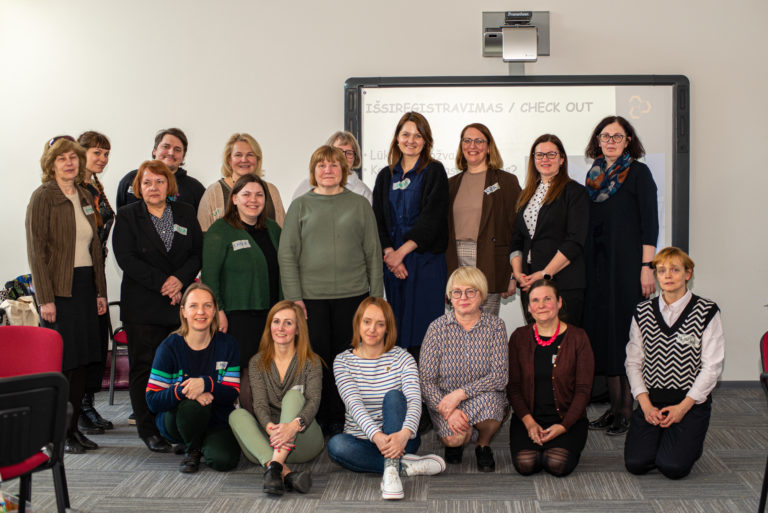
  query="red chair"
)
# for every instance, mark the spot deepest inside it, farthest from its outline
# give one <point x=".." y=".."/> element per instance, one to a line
<point x="33" y="409"/>
<point x="118" y="338"/>
<point x="764" y="383"/>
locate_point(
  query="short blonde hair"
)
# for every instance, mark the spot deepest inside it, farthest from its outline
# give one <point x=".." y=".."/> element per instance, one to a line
<point x="226" y="167"/>
<point x="673" y="253"/>
<point x="57" y="146"/>
<point x="159" y="168"/>
<point x="469" y="276"/>
<point x="331" y="154"/>
<point x="390" y="336"/>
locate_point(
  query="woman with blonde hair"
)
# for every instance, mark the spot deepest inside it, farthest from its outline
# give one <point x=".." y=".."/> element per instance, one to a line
<point x="242" y="155"/>
<point x="194" y="383"/>
<point x="285" y="380"/>
<point x="463" y="370"/>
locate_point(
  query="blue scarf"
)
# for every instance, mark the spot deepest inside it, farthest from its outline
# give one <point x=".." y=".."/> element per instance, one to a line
<point x="603" y="183"/>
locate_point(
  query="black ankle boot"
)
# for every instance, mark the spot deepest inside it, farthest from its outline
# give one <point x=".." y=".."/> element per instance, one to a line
<point x="90" y="420"/>
<point x="273" y="479"/>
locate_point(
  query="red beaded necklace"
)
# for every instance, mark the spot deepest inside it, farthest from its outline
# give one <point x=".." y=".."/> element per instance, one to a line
<point x="545" y="343"/>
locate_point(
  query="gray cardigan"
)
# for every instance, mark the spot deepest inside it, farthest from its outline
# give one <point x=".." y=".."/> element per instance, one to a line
<point x="268" y="391"/>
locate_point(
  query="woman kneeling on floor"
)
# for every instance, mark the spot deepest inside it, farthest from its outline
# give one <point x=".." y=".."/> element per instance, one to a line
<point x="551" y="367"/>
<point x="379" y="384"/>
<point x="674" y="357"/>
<point x="194" y="382"/>
<point x="286" y="379"/>
<point x="464" y="370"/>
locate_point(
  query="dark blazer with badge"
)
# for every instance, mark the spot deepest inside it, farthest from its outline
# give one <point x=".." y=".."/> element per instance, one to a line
<point x="562" y="225"/>
<point x="146" y="264"/>
<point x="496" y="226"/>
<point x="50" y="227"/>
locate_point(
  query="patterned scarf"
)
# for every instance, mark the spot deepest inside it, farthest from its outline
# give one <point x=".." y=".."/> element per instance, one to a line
<point x="603" y="183"/>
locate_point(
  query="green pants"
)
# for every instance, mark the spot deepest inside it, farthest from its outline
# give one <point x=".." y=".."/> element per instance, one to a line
<point x="254" y="441"/>
<point x="189" y="423"/>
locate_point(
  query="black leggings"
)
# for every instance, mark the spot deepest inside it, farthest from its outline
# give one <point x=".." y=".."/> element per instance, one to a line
<point x="557" y="461"/>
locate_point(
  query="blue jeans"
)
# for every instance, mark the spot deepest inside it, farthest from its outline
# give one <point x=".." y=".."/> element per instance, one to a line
<point x="362" y="455"/>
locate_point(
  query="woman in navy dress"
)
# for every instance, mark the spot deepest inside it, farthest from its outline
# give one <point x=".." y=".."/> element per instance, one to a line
<point x="621" y="242"/>
<point x="410" y="201"/>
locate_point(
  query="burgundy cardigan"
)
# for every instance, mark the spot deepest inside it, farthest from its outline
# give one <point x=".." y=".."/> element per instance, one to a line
<point x="572" y="374"/>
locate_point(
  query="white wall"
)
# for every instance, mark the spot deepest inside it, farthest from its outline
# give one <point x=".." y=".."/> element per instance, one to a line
<point x="212" y="68"/>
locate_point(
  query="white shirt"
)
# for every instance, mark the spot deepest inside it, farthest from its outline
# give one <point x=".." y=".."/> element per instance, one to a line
<point x="354" y="184"/>
<point x="712" y="351"/>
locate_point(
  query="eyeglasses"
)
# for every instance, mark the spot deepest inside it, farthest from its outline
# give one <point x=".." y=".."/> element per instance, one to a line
<point x="347" y="153"/>
<point x="67" y="137"/>
<point x="478" y="142"/>
<point x="617" y="138"/>
<point x="551" y="155"/>
<point x="457" y="293"/>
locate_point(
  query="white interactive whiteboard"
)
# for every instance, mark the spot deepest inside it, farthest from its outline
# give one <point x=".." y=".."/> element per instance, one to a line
<point x="519" y="109"/>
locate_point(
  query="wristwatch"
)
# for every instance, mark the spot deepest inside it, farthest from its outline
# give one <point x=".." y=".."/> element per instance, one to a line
<point x="547" y="276"/>
<point x="302" y="424"/>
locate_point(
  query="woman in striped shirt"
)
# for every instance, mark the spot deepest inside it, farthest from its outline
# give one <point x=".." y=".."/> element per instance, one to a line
<point x="379" y="384"/>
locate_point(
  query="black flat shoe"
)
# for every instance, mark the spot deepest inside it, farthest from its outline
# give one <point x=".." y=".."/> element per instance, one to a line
<point x="90" y="419"/>
<point x="619" y="427"/>
<point x="72" y="446"/>
<point x="191" y="462"/>
<point x="604" y="421"/>
<point x="485" y="461"/>
<point x="87" y="425"/>
<point x="298" y="481"/>
<point x="156" y="443"/>
<point x="454" y="454"/>
<point x="88" y="445"/>
<point x="273" y="479"/>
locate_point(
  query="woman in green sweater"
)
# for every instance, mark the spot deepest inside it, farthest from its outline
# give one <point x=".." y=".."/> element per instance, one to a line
<point x="240" y="265"/>
<point x="330" y="260"/>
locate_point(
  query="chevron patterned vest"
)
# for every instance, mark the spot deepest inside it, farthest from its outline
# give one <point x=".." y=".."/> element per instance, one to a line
<point x="672" y="353"/>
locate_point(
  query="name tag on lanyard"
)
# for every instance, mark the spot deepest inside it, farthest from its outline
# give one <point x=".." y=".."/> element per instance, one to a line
<point x="402" y="184"/>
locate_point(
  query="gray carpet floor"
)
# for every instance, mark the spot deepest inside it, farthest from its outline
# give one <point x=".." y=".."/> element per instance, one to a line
<point x="123" y="476"/>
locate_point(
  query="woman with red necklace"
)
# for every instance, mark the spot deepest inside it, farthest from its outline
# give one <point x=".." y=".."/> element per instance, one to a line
<point x="550" y="379"/>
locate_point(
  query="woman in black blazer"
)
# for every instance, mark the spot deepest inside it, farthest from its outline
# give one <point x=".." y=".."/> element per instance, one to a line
<point x="551" y="228"/>
<point x="158" y="245"/>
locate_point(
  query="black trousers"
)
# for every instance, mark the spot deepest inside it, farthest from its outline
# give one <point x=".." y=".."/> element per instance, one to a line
<point x="672" y="450"/>
<point x="94" y="373"/>
<point x="143" y="341"/>
<point x="246" y="326"/>
<point x="330" y="332"/>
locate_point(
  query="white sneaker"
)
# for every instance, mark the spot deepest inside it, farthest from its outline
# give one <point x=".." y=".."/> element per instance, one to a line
<point x="427" y="465"/>
<point x="391" y="486"/>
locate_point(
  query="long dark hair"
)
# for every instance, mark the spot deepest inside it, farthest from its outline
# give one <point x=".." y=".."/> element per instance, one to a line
<point x="422" y="125"/>
<point x="231" y="215"/>
<point x="635" y="147"/>
<point x="560" y="180"/>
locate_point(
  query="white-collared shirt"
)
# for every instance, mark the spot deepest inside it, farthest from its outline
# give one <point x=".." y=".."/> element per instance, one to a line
<point x="712" y="351"/>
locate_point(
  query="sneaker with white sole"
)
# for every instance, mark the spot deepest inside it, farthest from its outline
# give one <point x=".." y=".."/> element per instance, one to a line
<point x="391" y="486"/>
<point x="426" y="465"/>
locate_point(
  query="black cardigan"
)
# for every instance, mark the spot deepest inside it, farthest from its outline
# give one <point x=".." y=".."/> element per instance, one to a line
<point x="562" y="225"/>
<point x="146" y="264"/>
<point x="430" y="232"/>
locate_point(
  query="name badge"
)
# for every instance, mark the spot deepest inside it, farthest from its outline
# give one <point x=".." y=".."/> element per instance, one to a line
<point x="493" y="188"/>
<point x="221" y="365"/>
<point x="688" y="339"/>
<point x="299" y="388"/>
<point x="240" y="244"/>
<point x="88" y="210"/>
<point x="216" y="212"/>
<point x="402" y="184"/>
<point x="179" y="229"/>
<point x="554" y="359"/>
<point x="130" y="189"/>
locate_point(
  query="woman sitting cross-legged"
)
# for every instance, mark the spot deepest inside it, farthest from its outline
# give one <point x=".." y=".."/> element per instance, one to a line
<point x="379" y="384"/>
<point x="674" y="357"/>
<point x="550" y="379"/>
<point x="464" y="370"/>
<point x="194" y="382"/>
<point x="286" y="378"/>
